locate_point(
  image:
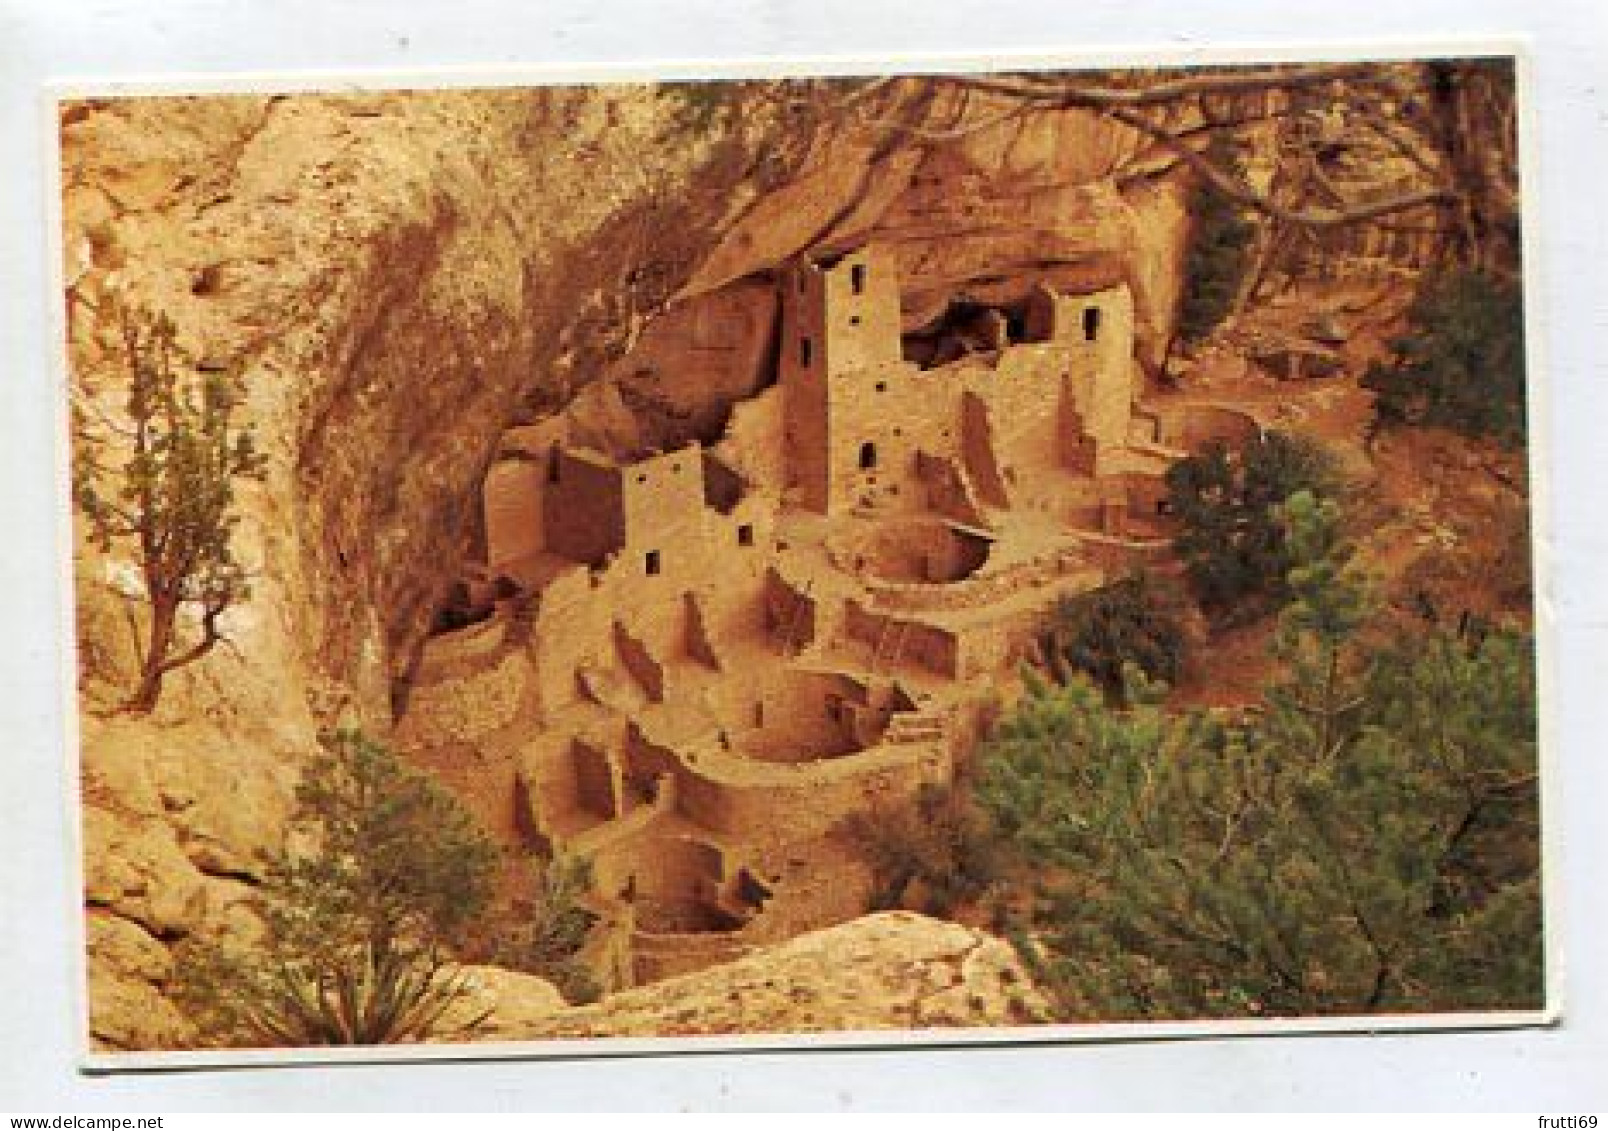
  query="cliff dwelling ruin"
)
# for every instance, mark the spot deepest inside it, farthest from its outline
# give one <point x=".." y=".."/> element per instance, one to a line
<point x="698" y="662"/>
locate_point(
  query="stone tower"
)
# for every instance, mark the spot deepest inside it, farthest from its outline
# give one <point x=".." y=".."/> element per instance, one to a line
<point x="840" y="325"/>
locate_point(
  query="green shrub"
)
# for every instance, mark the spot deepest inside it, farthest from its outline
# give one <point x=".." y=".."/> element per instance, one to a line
<point x="1367" y="841"/>
<point x="1384" y="859"/>
<point x="1460" y="364"/>
<point x="550" y="942"/>
<point x="1137" y="620"/>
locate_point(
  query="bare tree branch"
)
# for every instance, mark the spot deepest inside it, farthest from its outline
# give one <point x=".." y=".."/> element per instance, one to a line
<point x="1122" y="105"/>
<point x="1061" y="92"/>
<point x="1243" y="195"/>
<point x="1143" y="164"/>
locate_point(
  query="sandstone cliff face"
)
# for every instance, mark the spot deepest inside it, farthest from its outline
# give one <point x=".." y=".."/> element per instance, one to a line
<point x="400" y="278"/>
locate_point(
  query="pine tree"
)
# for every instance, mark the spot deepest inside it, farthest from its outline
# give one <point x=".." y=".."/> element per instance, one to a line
<point x="1463" y="708"/>
<point x="1366" y="842"/>
<point x="174" y="496"/>
<point x="1071" y="787"/>
<point x="359" y="920"/>
<point x="1327" y="602"/>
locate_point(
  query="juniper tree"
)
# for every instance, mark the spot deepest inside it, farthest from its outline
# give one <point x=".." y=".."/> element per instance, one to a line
<point x="171" y="490"/>
<point x="360" y="916"/>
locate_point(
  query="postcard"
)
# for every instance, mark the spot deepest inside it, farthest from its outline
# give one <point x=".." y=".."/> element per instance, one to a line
<point x="771" y="557"/>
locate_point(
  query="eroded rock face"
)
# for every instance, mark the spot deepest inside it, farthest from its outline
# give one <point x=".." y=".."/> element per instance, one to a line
<point x="126" y="1006"/>
<point x="398" y="277"/>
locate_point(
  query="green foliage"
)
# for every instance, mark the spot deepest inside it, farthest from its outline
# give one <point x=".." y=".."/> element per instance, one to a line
<point x="1327" y="602"/>
<point x="1231" y="537"/>
<point x="1218" y="253"/>
<point x="1136" y="620"/>
<point x="932" y="856"/>
<point x="1367" y="842"/>
<point x="172" y="494"/>
<point x="1061" y="745"/>
<point x="1186" y="869"/>
<point x="1466" y="706"/>
<point x="359" y="921"/>
<point x="550" y="943"/>
<point x="1461" y="363"/>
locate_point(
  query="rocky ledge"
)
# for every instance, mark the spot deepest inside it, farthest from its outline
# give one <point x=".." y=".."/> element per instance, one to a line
<point x="894" y="970"/>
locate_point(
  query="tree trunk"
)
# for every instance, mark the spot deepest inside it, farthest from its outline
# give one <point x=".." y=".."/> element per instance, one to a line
<point x="164" y="612"/>
<point x="1268" y="251"/>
